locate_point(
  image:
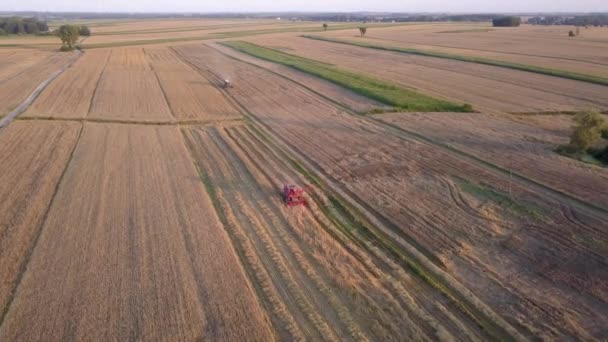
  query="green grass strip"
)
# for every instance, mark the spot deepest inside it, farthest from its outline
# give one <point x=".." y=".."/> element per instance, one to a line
<point x="379" y="90"/>
<point x="523" y="67"/>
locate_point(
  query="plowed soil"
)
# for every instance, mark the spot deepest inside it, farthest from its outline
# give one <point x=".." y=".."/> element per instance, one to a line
<point x="34" y="156"/>
<point x="512" y="256"/>
<point x="487" y="88"/>
<point x="132" y="249"/>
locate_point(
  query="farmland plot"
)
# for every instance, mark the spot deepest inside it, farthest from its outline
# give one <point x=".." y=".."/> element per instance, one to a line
<point x="127" y="59"/>
<point x="190" y="95"/>
<point x="14" y="61"/>
<point x="16" y="89"/>
<point x="130" y="95"/>
<point x="34" y="156"/>
<point x="524" y="149"/>
<point x="70" y="95"/>
<point x="488" y="88"/>
<point x="132" y="249"/>
<point x="546" y="46"/>
<point x="508" y="249"/>
<point x="331" y="90"/>
<point x="316" y="283"/>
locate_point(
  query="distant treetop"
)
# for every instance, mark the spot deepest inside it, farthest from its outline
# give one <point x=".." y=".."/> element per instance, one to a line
<point x="506" y="22"/>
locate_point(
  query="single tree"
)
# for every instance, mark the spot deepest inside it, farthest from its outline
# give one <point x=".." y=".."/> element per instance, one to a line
<point x="84" y="31"/>
<point x="587" y="132"/>
<point x="571" y="34"/>
<point x="363" y="30"/>
<point x="69" y="35"/>
<point x="324" y="26"/>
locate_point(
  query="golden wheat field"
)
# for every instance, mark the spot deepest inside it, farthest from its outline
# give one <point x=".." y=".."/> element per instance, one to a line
<point x="141" y="195"/>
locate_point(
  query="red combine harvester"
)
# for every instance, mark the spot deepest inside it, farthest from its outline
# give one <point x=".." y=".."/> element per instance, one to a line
<point x="293" y="195"/>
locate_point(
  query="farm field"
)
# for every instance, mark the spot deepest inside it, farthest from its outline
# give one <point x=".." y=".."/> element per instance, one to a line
<point x="138" y="214"/>
<point x="129" y="90"/>
<point x="190" y="95"/>
<point x="202" y="33"/>
<point x="141" y="195"/>
<point x="69" y="96"/>
<point x="487" y="88"/>
<point x="34" y="156"/>
<point x="547" y="46"/>
<point x="520" y="147"/>
<point x="473" y="243"/>
<point x="20" y="81"/>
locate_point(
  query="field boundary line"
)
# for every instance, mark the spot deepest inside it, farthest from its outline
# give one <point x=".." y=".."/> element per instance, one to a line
<point x="130" y="122"/>
<point x="34" y="95"/>
<point x="421" y="138"/>
<point x="98" y="82"/>
<point x="26" y="261"/>
<point x="471" y="59"/>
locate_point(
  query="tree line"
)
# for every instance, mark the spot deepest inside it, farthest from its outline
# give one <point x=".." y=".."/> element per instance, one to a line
<point x="506" y="21"/>
<point x="19" y="25"/>
<point x="579" y="20"/>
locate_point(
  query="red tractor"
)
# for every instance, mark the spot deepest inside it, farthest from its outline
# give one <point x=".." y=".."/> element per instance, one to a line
<point x="293" y="195"/>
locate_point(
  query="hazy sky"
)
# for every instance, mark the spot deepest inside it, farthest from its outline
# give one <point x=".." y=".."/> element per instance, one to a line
<point x="308" y="5"/>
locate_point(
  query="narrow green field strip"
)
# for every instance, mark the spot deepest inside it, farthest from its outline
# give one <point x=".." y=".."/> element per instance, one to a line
<point x="402" y="98"/>
<point x="516" y="66"/>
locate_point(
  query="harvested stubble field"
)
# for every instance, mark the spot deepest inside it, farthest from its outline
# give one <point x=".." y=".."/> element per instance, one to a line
<point x="546" y="46"/>
<point x="69" y="96"/>
<point x="132" y="249"/>
<point x="523" y="148"/>
<point x="202" y="33"/>
<point x="315" y="282"/>
<point x="330" y="90"/>
<point x="487" y="88"/>
<point x="33" y="155"/>
<point x="20" y="81"/>
<point x="129" y="90"/>
<point x="15" y="61"/>
<point x="526" y="254"/>
<point x="191" y="96"/>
